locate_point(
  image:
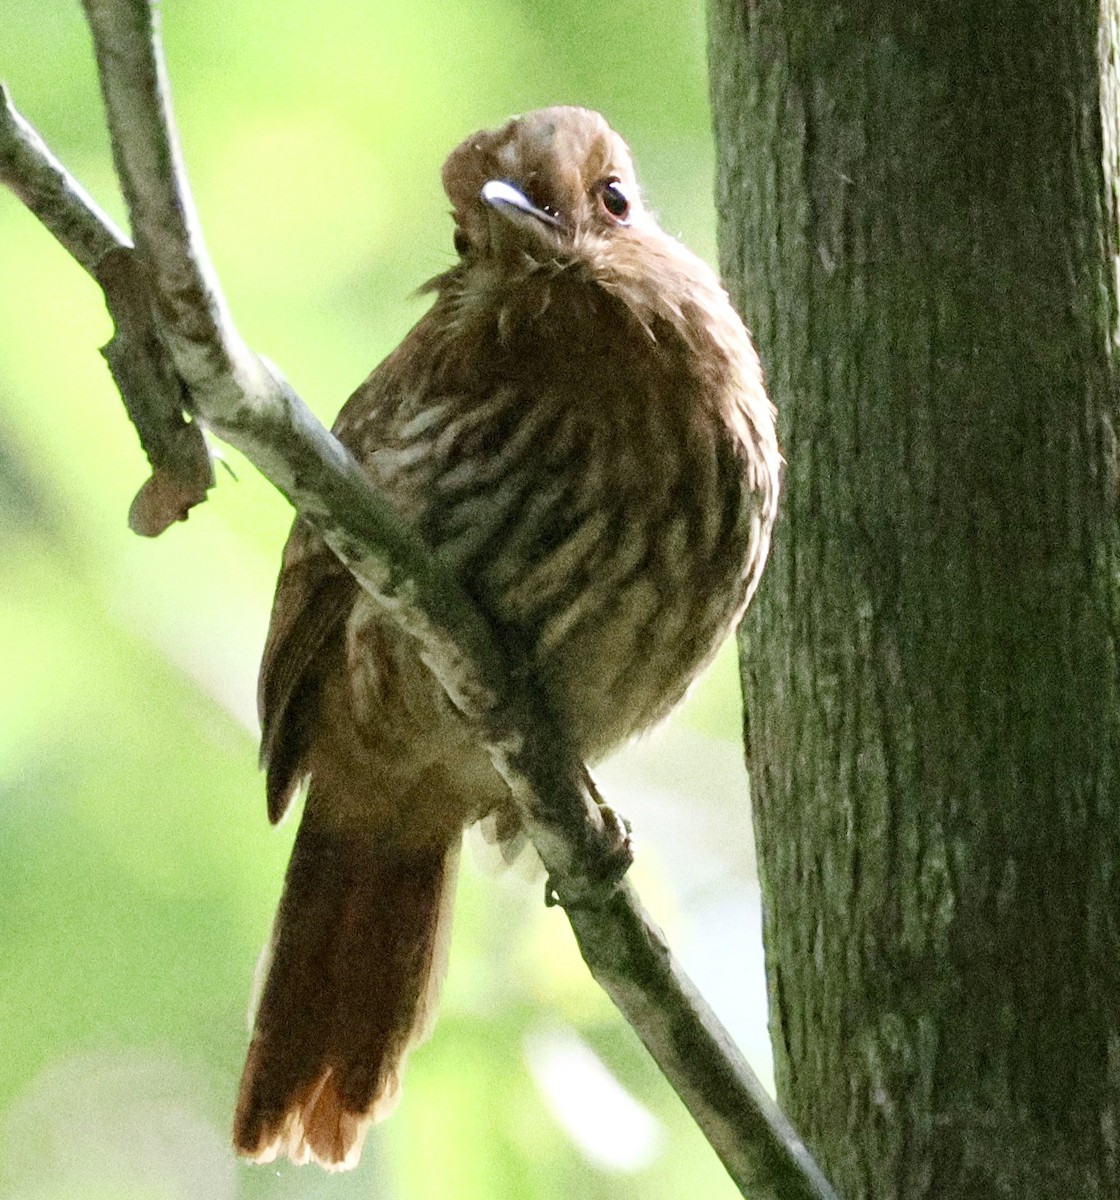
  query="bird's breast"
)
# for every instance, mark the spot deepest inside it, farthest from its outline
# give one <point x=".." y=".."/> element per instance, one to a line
<point x="583" y="485"/>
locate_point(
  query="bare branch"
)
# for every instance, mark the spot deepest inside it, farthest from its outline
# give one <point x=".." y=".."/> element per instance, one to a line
<point x="176" y="449"/>
<point x="243" y="399"/>
<point x="630" y="959"/>
<point x="199" y="332"/>
<point x="51" y="193"/>
<point x="153" y="394"/>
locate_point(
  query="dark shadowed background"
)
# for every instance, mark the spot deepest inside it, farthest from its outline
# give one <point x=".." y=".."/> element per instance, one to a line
<point x="138" y="873"/>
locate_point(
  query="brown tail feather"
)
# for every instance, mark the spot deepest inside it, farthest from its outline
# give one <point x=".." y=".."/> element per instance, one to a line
<point x="358" y="953"/>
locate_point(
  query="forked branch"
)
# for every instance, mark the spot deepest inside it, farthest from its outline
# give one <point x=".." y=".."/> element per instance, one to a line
<point x="181" y="365"/>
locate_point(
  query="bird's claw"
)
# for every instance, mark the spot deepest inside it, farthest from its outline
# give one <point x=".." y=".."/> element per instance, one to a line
<point x="612" y="869"/>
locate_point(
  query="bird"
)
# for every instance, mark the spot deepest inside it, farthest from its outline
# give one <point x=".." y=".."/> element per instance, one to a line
<point x="579" y="429"/>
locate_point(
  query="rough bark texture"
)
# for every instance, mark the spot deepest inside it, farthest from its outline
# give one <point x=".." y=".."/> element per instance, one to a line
<point x="918" y="217"/>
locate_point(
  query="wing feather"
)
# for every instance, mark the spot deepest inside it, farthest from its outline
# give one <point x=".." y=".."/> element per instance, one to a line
<point x="314" y="596"/>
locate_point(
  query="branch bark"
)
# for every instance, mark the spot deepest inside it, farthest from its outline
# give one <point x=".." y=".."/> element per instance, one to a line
<point x="180" y="350"/>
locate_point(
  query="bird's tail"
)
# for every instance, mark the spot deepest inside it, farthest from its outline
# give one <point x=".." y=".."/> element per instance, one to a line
<point x="358" y="953"/>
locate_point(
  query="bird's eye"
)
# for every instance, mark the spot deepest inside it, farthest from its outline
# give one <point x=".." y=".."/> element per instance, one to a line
<point x="614" y="199"/>
<point x="462" y="242"/>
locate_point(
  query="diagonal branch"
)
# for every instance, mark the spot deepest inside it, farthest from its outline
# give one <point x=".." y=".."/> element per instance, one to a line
<point x="247" y="403"/>
<point x="43" y="184"/>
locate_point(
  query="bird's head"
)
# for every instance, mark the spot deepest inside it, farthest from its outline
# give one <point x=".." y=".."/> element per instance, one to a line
<point x="545" y="187"/>
<point x="553" y="238"/>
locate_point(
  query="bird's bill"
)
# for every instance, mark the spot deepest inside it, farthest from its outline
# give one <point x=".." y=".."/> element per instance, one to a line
<point x="515" y="206"/>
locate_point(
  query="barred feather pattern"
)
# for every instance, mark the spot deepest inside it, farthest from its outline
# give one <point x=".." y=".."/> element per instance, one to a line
<point x="579" y="428"/>
<point x="566" y="456"/>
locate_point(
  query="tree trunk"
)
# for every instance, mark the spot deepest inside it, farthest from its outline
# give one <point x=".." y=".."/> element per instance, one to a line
<point x="918" y="217"/>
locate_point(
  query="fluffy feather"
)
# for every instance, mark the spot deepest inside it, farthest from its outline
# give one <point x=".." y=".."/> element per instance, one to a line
<point x="579" y="428"/>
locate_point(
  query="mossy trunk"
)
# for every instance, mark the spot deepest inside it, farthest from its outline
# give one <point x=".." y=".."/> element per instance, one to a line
<point x="918" y="218"/>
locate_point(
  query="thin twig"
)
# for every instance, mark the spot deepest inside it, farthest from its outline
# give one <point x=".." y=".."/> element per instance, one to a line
<point x="248" y="404"/>
<point x="161" y="209"/>
<point x="180" y="461"/>
<point x="153" y="394"/>
<point x="51" y="192"/>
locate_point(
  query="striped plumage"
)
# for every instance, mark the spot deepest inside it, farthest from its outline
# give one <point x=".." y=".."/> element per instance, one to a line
<point x="578" y="426"/>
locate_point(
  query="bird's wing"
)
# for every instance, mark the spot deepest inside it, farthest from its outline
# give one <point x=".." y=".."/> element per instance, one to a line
<point x="314" y="596"/>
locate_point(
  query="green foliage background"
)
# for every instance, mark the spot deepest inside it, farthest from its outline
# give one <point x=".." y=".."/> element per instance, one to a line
<point x="137" y="872"/>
